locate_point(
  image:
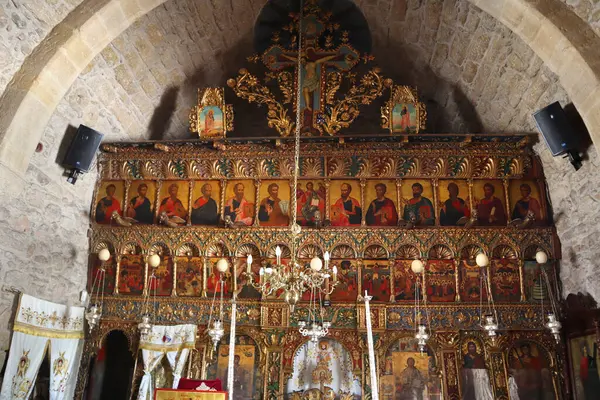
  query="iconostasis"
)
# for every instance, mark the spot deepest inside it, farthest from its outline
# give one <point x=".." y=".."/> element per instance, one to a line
<point x="375" y="208"/>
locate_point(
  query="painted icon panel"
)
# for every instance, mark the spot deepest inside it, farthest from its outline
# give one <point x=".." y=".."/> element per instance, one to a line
<point x="404" y="118"/>
<point x="405" y="281"/>
<point x="381" y="197"/>
<point x="525" y="198"/>
<point x="213" y="280"/>
<point x="206" y="198"/>
<point x="472" y="286"/>
<point x="529" y="372"/>
<point x="347" y="287"/>
<point x="417" y="202"/>
<point x="162" y="284"/>
<point x="310" y="198"/>
<point x="346" y="209"/>
<point x="98" y="280"/>
<point x="109" y="200"/>
<point x="274" y="206"/>
<point x="131" y="275"/>
<point x="142" y="198"/>
<point x="244" y="289"/>
<point x="488" y="200"/>
<point x="505" y="280"/>
<point x="211" y="121"/>
<point x="174" y="199"/>
<point x="376" y="279"/>
<point x="441" y="281"/>
<point x="474" y="374"/>
<point x="585" y="358"/>
<point x="240" y="197"/>
<point x="454" y="206"/>
<point x="190" y="276"/>
<point x="534" y="284"/>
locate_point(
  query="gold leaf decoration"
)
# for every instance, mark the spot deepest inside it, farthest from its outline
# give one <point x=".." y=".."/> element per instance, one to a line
<point x="244" y="250"/>
<point x="176" y="169"/>
<point x="286" y="85"/>
<point x="312" y="167"/>
<point x="343" y="251"/>
<point x="131" y="248"/>
<point x="242" y="169"/>
<point x="504" y="251"/>
<point x="440" y="252"/>
<point x="286" y="168"/>
<point x="375" y="252"/>
<point x="387" y="167"/>
<point x="150" y="170"/>
<point x="103" y="245"/>
<point x="247" y="86"/>
<point x="339" y="167"/>
<point x="310" y="251"/>
<point x="216" y="170"/>
<point x="516" y="167"/>
<point x="334" y="81"/>
<point x="194" y="170"/>
<point x="159" y="248"/>
<point x="345" y="111"/>
<point x="407" y="252"/>
<point x="217" y="250"/>
<point x="365" y="169"/>
<point x="403" y="95"/>
<point x="470" y="252"/>
<point x="188" y="250"/>
<point x="487" y="168"/>
<point x="285" y="251"/>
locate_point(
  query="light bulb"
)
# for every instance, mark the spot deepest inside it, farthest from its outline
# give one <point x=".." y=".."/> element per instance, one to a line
<point x="104" y="255"/>
<point x="222" y="265"/>
<point x="417" y="266"/>
<point x="278" y="251"/>
<point x="334" y="270"/>
<point x="326" y="256"/>
<point x="249" y="260"/>
<point x="482" y="260"/>
<point x="261" y="271"/>
<point x="541" y="257"/>
<point x="316" y="264"/>
<point x="154" y="260"/>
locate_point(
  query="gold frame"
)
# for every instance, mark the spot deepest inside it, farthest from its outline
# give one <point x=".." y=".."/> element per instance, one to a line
<point x="211" y="97"/>
<point x="399" y="95"/>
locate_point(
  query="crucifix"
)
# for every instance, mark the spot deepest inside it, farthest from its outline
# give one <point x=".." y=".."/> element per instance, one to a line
<point x="314" y="65"/>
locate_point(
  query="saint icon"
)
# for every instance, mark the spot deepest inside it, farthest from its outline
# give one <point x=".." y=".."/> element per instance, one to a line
<point x="273" y="211"/>
<point x="419" y="207"/>
<point x="382" y="210"/>
<point x="205" y="210"/>
<point x="237" y="208"/>
<point x="107" y="205"/>
<point x="347" y="210"/>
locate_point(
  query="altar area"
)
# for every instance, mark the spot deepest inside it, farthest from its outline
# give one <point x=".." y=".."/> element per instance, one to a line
<point x="176" y="222"/>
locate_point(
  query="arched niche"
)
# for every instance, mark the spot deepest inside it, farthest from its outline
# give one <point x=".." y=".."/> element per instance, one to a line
<point x="324" y="367"/>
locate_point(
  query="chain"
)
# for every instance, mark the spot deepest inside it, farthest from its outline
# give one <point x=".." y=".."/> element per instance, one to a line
<point x="298" y="122"/>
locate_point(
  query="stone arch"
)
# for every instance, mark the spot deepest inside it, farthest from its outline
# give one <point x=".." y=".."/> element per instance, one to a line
<point x="556" y="34"/>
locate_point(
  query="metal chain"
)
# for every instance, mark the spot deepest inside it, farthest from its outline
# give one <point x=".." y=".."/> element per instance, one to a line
<point x="298" y="119"/>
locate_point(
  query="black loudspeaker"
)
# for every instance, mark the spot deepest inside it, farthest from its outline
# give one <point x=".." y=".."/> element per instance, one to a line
<point x="82" y="150"/>
<point x="556" y="129"/>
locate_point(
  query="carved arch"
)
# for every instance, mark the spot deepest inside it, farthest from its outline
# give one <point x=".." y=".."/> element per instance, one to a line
<point x="408" y="252"/>
<point x="344" y="251"/>
<point x="247" y="248"/>
<point x="440" y="252"/>
<point x="285" y="251"/>
<point x="217" y="249"/>
<point x="376" y="252"/>
<point x="505" y="251"/>
<point x="187" y="250"/>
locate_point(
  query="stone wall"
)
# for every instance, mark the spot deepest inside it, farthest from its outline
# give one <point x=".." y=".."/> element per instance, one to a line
<point x="23" y="25"/>
<point x="587" y="10"/>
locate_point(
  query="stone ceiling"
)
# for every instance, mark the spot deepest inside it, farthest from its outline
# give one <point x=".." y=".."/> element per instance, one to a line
<point x="474" y="74"/>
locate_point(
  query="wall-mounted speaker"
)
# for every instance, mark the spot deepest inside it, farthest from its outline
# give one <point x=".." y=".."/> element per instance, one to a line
<point x="558" y="133"/>
<point x="82" y="151"/>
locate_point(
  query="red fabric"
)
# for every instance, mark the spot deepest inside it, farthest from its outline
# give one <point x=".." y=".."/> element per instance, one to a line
<point x="192" y="384"/>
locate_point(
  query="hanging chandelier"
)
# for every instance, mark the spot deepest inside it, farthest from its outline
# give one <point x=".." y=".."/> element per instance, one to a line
<point x="215" y="328"/>
<point x="94" y="311"/>
<point x="295" y="278"/>
<point x="490" y="317"/>
<point x="314" y="327"/>
<point x="149" y="317"/>
<point x="422" y="331"/>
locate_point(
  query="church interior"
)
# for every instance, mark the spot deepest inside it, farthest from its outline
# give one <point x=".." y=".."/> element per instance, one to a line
<point x="299" y="199"/>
